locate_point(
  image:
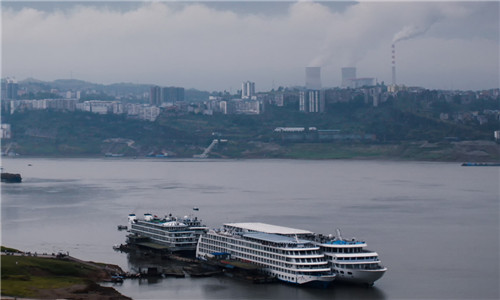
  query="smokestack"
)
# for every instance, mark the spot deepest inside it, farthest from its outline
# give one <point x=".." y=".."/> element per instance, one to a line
<point x="313" y="78"/>
<point x="393" y="64"/>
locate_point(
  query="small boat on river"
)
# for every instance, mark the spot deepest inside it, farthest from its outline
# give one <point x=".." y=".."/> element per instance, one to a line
<point x="480" y="164"/>
<point x="11" y="178"/>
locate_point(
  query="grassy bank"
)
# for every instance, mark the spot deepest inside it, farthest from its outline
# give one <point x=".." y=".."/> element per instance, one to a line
<point x="478" y="151"/>
<point x="43" y="277"/>
<point x="24" y="276"/>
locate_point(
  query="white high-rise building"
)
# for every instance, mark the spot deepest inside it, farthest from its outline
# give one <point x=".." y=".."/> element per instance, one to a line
<point x="247" y="90"/>
<point x="312" y="101"/>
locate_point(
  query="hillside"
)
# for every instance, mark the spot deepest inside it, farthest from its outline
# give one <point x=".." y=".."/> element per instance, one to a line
<point x="33" y="276"/>
<point x="398" y="131"/>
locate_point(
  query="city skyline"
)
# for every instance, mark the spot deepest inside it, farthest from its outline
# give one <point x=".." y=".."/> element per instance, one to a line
<point x="218" y="45"/>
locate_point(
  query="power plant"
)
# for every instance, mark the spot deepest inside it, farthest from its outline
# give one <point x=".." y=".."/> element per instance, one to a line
<point x="348" y="75"/>
<point x="313" y="78"/>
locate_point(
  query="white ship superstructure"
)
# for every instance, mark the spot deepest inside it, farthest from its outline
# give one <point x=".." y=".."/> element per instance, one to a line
<point x="290" y="259"/>
<point x="178" y="234"/>
<point x="349" y="259"/>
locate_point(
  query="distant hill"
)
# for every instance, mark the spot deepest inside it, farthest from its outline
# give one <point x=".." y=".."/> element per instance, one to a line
<point x="399" y="133"/>
<point x="114" y="89"/>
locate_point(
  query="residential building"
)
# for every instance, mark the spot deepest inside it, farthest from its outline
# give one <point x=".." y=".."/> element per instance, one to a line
<point x="9" y="89"/>
<point x="247" y="107"/>
<point x="223" y="107"/>
<point x="97" y="106"/>
<point x="5" y="131"/>
<point x="247" y="90"/>
<point x="172" y="94"/>
<point x="312" y="101"/>
<point x="155" y="96"/>
<point x="279" y="99"/>
<point x="150" y="113"/>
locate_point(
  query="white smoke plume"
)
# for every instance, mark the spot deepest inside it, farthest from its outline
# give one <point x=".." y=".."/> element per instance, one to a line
<point x="409" y="32"/>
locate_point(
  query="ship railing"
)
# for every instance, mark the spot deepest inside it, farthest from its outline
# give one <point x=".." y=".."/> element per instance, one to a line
<point x="290" y="246"/>
<point x="318" y="274"/>
<point x="311" y="268"/>
<point x="379" y="266"/>
<point x="357" y="259"/>
<point x="305" y="256"/>
<point x="375" y="267"/>
<point x="363" y="267"/>
<point x="337" y="242"/>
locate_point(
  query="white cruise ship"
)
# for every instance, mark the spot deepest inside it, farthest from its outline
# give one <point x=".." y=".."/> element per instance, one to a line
<point x="289" y="259"/>
<point x="176" y="234"/>
<point x="349" y="260"/>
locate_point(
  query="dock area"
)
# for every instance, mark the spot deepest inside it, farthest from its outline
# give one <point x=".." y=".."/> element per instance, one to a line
<point x="153" y="260"/>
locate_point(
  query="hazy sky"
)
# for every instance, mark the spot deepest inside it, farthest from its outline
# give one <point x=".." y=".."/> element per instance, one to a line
<point x="218" y="45"/>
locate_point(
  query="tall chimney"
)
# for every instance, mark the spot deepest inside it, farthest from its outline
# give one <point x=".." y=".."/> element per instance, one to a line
<point x="393" y="64"/>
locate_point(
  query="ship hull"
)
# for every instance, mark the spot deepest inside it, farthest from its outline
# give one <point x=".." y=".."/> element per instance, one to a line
<point x="322" y="281"/>
<point x="359" y="276"/>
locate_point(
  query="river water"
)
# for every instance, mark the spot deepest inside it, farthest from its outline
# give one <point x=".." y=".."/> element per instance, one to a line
<point x="434" y="225"/>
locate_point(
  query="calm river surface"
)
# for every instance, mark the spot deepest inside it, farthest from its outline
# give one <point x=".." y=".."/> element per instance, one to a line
<point x="434" y="225"/>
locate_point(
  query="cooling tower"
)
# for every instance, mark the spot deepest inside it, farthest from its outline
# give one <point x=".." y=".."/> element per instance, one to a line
<point x="348" y="75"/>
<point x="313" y="78"/>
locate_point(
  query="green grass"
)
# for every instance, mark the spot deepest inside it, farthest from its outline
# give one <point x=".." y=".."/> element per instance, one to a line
<point x="23" y="275"/>
<point x="27" y="286"/>
<point x="334" y="151"/>
<point x="7" y="249"/>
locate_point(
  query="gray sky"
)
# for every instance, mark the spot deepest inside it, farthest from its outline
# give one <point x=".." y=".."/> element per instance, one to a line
<point x="217" y="45"/>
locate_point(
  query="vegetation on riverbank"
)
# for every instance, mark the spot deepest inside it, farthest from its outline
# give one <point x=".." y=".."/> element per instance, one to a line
<point x="32" y="276"/>
<point x="402" y="129"/>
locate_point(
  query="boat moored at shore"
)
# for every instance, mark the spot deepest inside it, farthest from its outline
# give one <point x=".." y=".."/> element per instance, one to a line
<point x="349" y="259"/>
<point x="174" y="233"/>
<point x="11" y="178"/>
<point x="289" y="259"/>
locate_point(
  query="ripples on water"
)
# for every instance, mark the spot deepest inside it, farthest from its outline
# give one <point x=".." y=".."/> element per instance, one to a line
<point x="435" y="225"/>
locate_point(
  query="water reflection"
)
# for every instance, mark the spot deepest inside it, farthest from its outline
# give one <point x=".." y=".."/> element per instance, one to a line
<point x="225" y="286"/>
<point x="402" y="209"/>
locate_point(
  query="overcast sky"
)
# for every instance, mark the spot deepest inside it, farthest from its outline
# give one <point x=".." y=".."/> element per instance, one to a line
<point x="216" y="46"/>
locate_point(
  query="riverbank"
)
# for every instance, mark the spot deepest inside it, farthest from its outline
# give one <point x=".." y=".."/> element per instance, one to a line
<point x="54" y="276"/>
<point x="448" y="151"/>
<point x="459" y="151"/>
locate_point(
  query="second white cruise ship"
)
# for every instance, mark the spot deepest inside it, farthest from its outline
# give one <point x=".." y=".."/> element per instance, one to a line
<point x="277" y="250"/>
<point x="175" y="233"/>
<point x="349" y="259"/>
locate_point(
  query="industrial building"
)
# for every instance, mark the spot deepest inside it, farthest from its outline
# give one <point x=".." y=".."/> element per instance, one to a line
<point x="313" y="78"/>
<point x="348" y="75"/>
